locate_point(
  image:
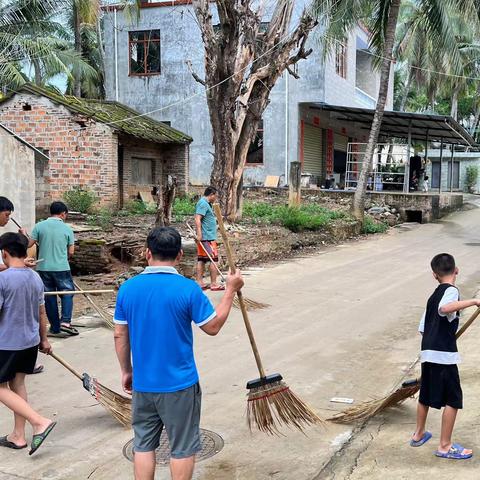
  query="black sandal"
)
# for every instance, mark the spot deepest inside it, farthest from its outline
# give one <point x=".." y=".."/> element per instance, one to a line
<point x="70" y="330"/>
<point x="39" y="438"/>
<point x="4" y="442"/>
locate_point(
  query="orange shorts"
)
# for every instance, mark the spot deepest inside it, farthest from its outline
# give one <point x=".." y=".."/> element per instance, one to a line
<point x="211" y="247"/>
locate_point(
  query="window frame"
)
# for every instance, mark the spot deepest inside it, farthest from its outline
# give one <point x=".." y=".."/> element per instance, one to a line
<point x="146" y="44"/>
<point x="341" y="57"/>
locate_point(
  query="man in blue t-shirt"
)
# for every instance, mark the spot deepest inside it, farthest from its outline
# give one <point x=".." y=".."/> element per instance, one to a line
<point x="154" y="345"/>
<point x="207" y="248"/>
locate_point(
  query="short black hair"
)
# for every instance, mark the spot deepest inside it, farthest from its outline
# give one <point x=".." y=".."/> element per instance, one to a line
<point x="209" y="191"/>
<point x="15" y="244"/>
<point x="6" y="205"/>
<point x="443" y="264"/>
<point x="165" y="243"/>
<point x="57" y="208"/>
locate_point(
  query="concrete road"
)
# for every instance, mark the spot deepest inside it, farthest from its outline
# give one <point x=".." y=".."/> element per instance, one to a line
<point x="342" y="323"/>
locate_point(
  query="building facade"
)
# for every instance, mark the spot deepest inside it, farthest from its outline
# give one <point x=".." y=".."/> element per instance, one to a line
<point x="146" y="68"/>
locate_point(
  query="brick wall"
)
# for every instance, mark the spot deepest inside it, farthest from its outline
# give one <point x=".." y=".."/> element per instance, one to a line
<point x="91" y="256"/>
<point x="177" y="164"/>
<point x="82" y="152"/>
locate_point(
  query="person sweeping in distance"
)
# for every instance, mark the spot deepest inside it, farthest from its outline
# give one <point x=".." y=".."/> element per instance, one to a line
<point x="207" y="248"/>
<point x="23" y="331"/>
<point x="440" y="381"/>
<point x="153" y="332"/>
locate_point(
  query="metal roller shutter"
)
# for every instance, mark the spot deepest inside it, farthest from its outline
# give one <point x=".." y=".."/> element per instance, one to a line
<point x="312" y="150"/>
<point x="340" y="142"/>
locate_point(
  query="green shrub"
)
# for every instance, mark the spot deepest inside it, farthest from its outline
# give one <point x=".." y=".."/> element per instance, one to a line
<point x="80" y="199"/>
<point x="184" y="206"/>
<point x="137" y="207"/>
<point x="102" y="218"/>
<point x="370" y="225"/>
<point x="472" y="176"/>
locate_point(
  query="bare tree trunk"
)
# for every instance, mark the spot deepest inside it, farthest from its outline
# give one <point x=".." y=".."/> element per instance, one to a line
<point x="101" y="48"/>
<point x="169" y="198"/>
<point x="454" y="106"/>
<point x="160" y="216"/>
<point x="406" y="91"/>
<point x="77" y="83"/>
<point x="358" y="206"/>
<point x="38" y="72"/>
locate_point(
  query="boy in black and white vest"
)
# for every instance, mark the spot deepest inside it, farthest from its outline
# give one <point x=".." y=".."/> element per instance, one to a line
<point x="440" y="382"/>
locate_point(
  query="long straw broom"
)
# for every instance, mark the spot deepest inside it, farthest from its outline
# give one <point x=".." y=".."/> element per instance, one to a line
<point x="398" y="395"/>
<point x="106" y="317"/>
<point x="117" y="405"/>
<point x="271" y="403"/>
<point x="249" y="303"/>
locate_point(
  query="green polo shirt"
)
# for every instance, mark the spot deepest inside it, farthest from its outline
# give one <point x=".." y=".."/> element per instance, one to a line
<point x="53" y="237"/>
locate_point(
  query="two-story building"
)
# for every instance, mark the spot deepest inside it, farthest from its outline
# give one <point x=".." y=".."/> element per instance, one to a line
<point x="146" y="69"/>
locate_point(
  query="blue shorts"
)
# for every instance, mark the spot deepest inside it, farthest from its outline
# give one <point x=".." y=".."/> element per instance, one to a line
<point x="178" y="412"/>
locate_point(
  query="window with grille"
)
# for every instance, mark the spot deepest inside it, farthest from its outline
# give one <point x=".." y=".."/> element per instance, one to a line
<point x="341" y="59"/>
<point x="144" y="51"/>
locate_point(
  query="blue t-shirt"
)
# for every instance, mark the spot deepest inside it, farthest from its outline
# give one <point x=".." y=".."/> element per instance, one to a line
<point x="159" y="307"/>
<point x="209" y="221"/>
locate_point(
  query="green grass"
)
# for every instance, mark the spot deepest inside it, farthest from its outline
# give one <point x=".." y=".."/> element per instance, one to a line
<point x="184" y="206"/>
<point x="306" y="217"/>
<point x="371" y="225"/>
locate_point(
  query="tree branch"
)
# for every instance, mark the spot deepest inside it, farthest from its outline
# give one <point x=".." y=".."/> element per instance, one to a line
<point x="194" y="75"/>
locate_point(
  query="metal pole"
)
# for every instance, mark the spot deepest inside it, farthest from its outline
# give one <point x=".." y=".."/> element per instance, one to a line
<point x="440" y="172"/>
<point x="426" y="158"/>
<point x="407" y="168"/>
<point x="286" y="127"/>
<point x="451" y="168"/>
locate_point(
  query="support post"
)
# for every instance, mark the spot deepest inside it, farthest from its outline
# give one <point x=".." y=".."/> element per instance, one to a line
<point x="294" y="184"/>
<point x="440" y="171"/>
<point x="406" y="185"/>
<point x="452" y="146"/>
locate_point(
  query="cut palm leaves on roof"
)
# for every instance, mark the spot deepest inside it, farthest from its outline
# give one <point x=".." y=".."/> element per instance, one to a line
<point x="249" y="303"/>
<point x="271" y="404"/>
<point x="117" y="405"/>
<point x="408" y="389"/>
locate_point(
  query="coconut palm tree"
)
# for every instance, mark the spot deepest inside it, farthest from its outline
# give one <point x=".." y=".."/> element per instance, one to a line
<point x="381" y="17"/>
<point x="30" y="36"/>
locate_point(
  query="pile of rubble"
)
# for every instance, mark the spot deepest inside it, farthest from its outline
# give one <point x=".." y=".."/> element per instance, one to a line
<point x="385" y="213"/>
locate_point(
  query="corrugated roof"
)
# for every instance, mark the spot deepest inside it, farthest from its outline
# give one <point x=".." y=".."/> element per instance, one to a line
<point x="399" y="124"/>
<point x="114" y="114"/>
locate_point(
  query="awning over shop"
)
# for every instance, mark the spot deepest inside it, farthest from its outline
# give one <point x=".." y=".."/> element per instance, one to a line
<point x="400" y="124"/>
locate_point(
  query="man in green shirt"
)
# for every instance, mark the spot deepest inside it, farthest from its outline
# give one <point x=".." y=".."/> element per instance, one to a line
<point x="206" y="229"/>
<point x="56" y="241"/>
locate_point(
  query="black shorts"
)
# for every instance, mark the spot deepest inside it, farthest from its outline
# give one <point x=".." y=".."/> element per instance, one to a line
<point x="17" y="361"/>
<point x="440" y="386"/>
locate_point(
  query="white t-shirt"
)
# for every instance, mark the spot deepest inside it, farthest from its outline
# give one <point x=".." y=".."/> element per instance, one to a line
<point x="434" y="356"/>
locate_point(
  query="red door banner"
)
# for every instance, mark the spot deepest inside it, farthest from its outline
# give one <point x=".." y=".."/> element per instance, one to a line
<point x="329" y="153"/>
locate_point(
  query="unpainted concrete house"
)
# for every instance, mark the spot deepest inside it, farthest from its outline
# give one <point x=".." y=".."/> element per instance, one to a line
<point x="146" y="68"/>
<point x="17" y="179"/>
<point x="104" y="146"/>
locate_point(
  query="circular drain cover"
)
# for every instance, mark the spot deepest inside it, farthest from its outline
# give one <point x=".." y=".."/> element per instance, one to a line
<point x="211" y="443"/>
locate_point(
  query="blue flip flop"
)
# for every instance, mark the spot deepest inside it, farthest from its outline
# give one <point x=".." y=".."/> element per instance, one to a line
<point x="418" y="443"/>
<point x="455" y="453"/>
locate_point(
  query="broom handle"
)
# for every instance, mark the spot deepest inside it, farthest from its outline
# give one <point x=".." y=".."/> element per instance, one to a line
<point x="231" y="263"/>
<point x="66" y="365"/>
<point x="205" y="250"/>
<point x="92" y="303"/>
<point x="77" y="292"/>
<point x="468" y="322"/>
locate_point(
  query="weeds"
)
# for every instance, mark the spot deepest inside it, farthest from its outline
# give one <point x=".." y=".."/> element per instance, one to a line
<point x="80" y="199"/>
<point x="370" y="225"/>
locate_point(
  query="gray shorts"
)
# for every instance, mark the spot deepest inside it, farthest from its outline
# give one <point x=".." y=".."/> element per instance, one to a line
<point x="178" y="411"/>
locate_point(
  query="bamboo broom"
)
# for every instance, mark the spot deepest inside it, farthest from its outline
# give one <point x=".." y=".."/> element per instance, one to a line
<point x="271" y="404"/>
<point x="105" y="316"/>
<point x="408" y="389"/>
<point x="249" y="303"/>
<point x="117" y="405"/>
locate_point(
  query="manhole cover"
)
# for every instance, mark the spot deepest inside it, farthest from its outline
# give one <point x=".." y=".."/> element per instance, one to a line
<point x="212" y="443"/>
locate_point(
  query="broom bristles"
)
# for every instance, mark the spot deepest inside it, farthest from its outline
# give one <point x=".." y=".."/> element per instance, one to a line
<point x="117" y="405"/>
<point x="367" y="410"/>
<point x="250" y="304"/>
<point x="273" y="405"/>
